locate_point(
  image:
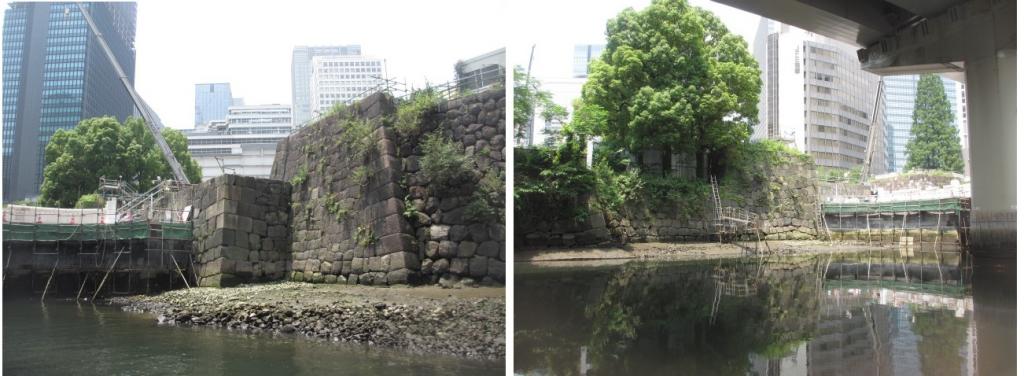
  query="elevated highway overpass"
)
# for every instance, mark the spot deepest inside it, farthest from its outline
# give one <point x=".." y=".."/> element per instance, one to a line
<point x="973" y="41"/>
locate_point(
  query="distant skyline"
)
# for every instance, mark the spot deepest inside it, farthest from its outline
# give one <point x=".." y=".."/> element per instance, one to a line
<point x="557" y="26"/>
<point x="249" y="44"/>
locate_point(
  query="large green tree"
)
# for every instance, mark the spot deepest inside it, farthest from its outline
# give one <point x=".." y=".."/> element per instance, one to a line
<point x="934" y="144"/>
<point x="673" y="78"/>
<point x="97" y="147"/>
<point x="531" y="99"/>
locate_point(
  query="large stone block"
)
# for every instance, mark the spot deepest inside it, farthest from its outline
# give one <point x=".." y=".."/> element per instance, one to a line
<point x="478" y="266"/>
<point x="488" y="248"/>
<point x="467" y="248"/>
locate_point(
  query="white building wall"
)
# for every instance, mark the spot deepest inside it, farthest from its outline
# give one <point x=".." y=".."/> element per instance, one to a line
<point x="342" y="79"/>
<point x="244" y="144"/>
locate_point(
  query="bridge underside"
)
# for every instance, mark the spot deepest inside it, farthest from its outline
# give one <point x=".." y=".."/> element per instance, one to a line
<point x="973" y="40"/>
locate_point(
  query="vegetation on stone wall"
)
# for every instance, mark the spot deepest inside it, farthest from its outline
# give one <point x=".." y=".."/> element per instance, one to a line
<point x="444" y="163"/>
<point x="300" y="177"/>
<point x="409" y="116"/>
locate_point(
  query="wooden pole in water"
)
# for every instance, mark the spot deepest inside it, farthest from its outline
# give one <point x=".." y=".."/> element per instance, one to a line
<point x="52" y="272"/>
<point x="82" y="287"/>
<point x="104" y="280"/>
<point x="183" y="279"/>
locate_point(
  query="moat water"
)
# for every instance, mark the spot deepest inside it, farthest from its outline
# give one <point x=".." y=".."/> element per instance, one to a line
<point x="64" y="338"/>
<point x="807" y="315"/>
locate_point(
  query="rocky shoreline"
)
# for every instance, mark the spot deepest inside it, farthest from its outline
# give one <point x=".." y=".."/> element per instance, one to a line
<point x="459" y="322"/>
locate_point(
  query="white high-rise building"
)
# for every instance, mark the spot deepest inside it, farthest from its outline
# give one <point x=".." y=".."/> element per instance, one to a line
<point x="816" y="97"/>
<point x="244" y="143"/>
<point x="301" y="56"/>
<point x="342" y="79"/>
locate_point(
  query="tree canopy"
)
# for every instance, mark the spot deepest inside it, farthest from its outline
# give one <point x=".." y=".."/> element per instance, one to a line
<point x="934" y="144"/>
<point x="529" y="98"/>
<point x="98" y="147"/>
<point x="673" y="78"/>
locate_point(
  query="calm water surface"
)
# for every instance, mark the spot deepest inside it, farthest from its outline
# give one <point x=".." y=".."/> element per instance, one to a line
<point x="63" y="338"/>
<point x="770" y="316"/>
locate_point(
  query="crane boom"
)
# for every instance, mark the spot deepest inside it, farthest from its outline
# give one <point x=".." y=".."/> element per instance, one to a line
<point x="148" y="116"/>
<point x="866" y="169"/>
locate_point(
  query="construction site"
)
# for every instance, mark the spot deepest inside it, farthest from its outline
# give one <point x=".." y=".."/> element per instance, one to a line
<point x="139" y="242"/>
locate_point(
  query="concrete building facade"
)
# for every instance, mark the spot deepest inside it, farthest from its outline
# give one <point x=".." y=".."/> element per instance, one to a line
<point x="816" y="98"/>
<point x="55" y="74"/>
<point x="244" y="143"/>
<point x="342" y="79"/>
<point x="480" y="71"/>
<point x="301" y="70"/>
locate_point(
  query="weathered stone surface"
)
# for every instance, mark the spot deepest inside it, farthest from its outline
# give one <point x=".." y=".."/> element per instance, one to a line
<point x="467" y="249"/>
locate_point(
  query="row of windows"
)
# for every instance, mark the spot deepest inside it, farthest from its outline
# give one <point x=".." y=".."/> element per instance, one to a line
<point x="210" y="151"/>
<point x="350" y="63"/>
<point x="834" y="130"/>
<point x="346" y="77"/>
<point x="261" y="120"/>
<point x="836" y="157"/>
<point x="57" y="75"/>
<point x="222" y="141"/>
<point x="836" y="144"/>
<point x="64" y="57"/>
<point x="348" y="70"/>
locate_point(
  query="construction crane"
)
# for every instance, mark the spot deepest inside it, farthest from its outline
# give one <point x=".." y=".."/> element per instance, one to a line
<point x="866" y="169"/>
<point x="148" y="115"/>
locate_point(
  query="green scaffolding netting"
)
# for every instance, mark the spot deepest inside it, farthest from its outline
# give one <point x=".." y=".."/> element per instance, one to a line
<point x="943" y="205"/>
<point x="135" y="230"/>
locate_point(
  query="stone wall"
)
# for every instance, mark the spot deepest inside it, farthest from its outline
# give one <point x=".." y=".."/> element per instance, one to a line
<point x="363" y="214"/>
<point x="240" y="231"/>
<point x="783" y="197"/>
<point x="452" y="244"/>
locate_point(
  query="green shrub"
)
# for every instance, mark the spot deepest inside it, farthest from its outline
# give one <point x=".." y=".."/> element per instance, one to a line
<point x="444" y="163"/>
<point x="410" y="112"/>
<point x="336" y="207"/>
<point x="361" y="175"/>
<point x="409" y="210"/>
<point x="90" y="201"/>
<point x="612" y="189"/>
<point x="300" y="177"/>
<point x="488" y="201"/>
<point x="357" y="137"/>
<point x="365" y="236"/>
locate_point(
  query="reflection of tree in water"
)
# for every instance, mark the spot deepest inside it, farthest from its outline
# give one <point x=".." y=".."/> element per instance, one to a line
<point x="657" y="318"/>
<point x="942" y="336"/>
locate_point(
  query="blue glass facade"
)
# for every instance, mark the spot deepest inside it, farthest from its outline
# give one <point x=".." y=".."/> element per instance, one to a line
<point x="900" y="93"/>
<point x="56" y="74"/>
<point x="212" y="102"/>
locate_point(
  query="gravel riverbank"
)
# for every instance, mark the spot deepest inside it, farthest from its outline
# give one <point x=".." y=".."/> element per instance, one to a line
<point x="467" y="322"/>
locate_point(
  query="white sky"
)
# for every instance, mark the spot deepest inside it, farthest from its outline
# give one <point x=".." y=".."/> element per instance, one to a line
<point x="556" y="26"/>
<point x="249" y="44"/>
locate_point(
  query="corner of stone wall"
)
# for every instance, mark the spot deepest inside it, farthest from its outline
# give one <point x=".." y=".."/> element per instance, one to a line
<point x="240" y="231"/>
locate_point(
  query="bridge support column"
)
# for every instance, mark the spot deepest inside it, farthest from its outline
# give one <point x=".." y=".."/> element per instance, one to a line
<point x="992" y="114"/>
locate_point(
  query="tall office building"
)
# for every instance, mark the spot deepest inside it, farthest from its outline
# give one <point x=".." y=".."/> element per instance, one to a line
<point x="582" y="55"/>
<point x="244" y="143"/>
<point x="301" y="70"/>
<point x="817" y="98"/>
<point x="212" y="102"/>
<point x="342" y="79"/>
<point x="900" y="94"/>
<point x="55" y="74"/>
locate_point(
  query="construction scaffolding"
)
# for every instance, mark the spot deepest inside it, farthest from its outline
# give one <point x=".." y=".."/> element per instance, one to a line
<point x="127" y="247"/>
<point x="940" y="227"/>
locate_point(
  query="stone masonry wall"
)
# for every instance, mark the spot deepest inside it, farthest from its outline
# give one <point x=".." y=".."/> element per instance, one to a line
<point x="452" y="245"/>
<point x="240" y="230"/>
<point x="353" y="217"/>
<point x="784" y="202"/>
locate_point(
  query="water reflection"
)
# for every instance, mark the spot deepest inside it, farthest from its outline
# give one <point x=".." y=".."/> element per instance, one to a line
<point x="767" y="316"/>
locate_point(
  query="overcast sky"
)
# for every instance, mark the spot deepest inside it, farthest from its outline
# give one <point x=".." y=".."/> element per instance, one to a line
<point x="556" y="26"/>
<point x="249" y="44"/>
